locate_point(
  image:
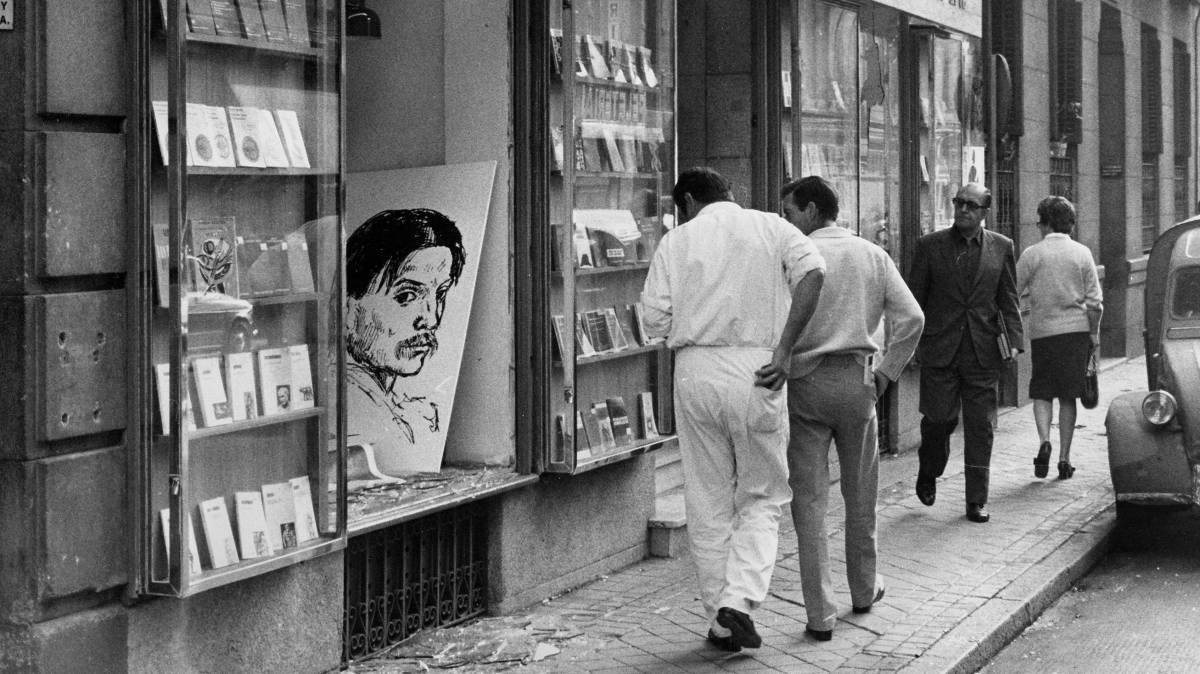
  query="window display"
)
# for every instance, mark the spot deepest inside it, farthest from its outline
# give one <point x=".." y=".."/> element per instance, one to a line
<point x="612" y="138"/>
<point x="242" y="460"/>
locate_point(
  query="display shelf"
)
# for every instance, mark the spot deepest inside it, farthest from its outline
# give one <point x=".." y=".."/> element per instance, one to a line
<point x="621" y="453"/>
<point x="257" y="422"/>
<point x="265" y="47"/>
<point x="610" y="269"/>
<point x="211" y="578"/>
<point x="221" y="171"/>
<point x="623" y="353"/>
<point x="628" y="86"/>
<point x="609" y="175"/>
<point x="293" y="298"/>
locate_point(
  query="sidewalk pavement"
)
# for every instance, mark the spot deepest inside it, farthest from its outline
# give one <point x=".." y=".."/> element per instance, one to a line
<point x="957" y="591"/>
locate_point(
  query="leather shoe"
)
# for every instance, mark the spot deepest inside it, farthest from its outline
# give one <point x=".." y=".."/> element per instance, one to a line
<point x="977" y="512"/>
<point x="819" y="635"/>
<point x="867" y="609"/>
<point x="926" y="489"/>
<point x="742" y="627"/>
<point x="723" y="643"/>
<point x="1041" y="462"/>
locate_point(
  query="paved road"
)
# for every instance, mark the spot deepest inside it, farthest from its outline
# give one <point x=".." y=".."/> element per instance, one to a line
<point x="1137" y="611"/>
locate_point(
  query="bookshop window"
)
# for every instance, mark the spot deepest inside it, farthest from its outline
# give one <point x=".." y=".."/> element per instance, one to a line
<point x="829" y="106"/>
<point x="950" y="123"/>
<point x="242" y="447"/>
<point x="879" y="128"/>
<point x="612" y="134"/>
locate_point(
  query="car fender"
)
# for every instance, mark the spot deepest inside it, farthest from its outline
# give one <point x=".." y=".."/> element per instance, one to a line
<point x="1147" y="463"/>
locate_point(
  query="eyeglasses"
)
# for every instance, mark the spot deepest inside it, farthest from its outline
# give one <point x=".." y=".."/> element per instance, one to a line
<point x="969" y="205"/>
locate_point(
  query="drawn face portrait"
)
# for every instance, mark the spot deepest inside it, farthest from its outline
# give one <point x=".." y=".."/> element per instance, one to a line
<point x="393" y="326"/>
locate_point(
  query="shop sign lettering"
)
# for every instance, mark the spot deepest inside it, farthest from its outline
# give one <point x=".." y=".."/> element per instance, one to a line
<point x="6" y="15"/>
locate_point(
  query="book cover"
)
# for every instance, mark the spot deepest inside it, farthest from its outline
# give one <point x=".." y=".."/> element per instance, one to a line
<point x="583" y="248"/>
<point x="273" y="153"/>
<point x="581" y="57"/>
<point x="649" y="426"/>
<point x="296" y="14"/>
<point x="161" y="233"/>
<point x="626" y="320"/>
<point x="252" y="19"/>
<point x="225" y="18"/>
<point x="199" y="17"/>
<point x="274" y="379"/>
<point x="274" y="23"/>
<point x="247" y="146"/>
<point x="591" y="428"/>
<point x="583" y="444"/>
<point x="583" y="344"/>
<point x="218" y="127"/>
<point x="630" y="61"/>
<point x="193" y="567"/>
<point x="159" y="110"/>
<point x="200" y="145"/>
<point x="556" y="145"/>
<point x="251" y="525"/>
<point x="611" y="149"/>
<point x="647" y="67"/>
<point x="243" y="391"/>
<point x="640" y="322"/>
<point x="162" y="381"/>
<point x="262" y="266"/>
<point x="218" y="534"/>
<point x="300" y="377"/>
<point x="596" y="326"/>
<point x="293" y="139"/>
<point x="210" y="391"/>
<point x="279" y="506"/>
<point x="591" y="135"/>
<point x="614" y="54"/>
<point x="556" y="53"/>
<point x="299" y="264"/>
<point x="630" y="154"/>
<point x="607" y="440"/>
<point x="213" y="255"/>
<point x="559" y="324"/>
<point x="595" y="57"/>
<point x="613" y="327"/>
<point x="618" y="415"/>
<point x="302" y="502"/>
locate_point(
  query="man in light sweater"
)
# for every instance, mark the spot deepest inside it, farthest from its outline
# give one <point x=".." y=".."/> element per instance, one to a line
<point x="837" y="374"/>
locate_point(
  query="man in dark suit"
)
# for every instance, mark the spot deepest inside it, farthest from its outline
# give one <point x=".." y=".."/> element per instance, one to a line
<point x="964" y="278"/>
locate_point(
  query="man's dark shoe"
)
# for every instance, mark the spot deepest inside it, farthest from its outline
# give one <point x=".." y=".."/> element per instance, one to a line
<point x="867" y="609"/>
<point x="926" y="489"/>
<point x="723" y="643"/>
<point x="744" y="634"/>
<point x="977" y="512"/>
<point x="819" y="635"/>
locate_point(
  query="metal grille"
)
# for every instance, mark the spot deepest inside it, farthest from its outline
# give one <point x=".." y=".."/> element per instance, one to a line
<point x="1149" y="201"/>
<point x="427" y="573"/>
<point x="1005" y="197"/>
<point x="1062" y="177"/>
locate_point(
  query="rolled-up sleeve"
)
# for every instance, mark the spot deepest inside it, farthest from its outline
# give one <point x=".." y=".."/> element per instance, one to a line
<point x="656" y="296"/>
<point x="800" y="256"/>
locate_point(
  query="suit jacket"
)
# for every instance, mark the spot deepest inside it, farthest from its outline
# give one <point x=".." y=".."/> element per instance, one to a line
<point x="954" y="308"/>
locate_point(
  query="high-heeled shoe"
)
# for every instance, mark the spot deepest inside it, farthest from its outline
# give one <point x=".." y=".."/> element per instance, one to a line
<point x="1041" y="462"/>
<point x="1065" y="470"/>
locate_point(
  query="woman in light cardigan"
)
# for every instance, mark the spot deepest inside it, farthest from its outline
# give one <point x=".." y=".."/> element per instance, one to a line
<point x="1066" y="304"/>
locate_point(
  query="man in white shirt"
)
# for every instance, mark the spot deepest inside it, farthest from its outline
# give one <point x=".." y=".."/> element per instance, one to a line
<point x="836" y="377"/>
<point x="718" y="289"/>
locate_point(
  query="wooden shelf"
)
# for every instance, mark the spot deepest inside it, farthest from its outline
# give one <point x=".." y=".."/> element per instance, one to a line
<point x="613" y="355"/>
<point x="197" y="171"/>
<point x="285" y="49"/>
<point x="258" y="422"/>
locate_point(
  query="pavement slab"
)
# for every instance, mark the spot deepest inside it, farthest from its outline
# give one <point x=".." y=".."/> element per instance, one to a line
<point x="957" y="591"/>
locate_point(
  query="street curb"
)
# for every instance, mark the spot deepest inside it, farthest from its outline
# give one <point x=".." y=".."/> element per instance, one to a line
<point x="1018" y="605"/>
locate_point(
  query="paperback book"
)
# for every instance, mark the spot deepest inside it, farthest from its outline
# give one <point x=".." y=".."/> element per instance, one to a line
<point x="273" y="152"/>
<point x="607" y="440"/>
<point x="296" y="14"/>
<point x="299" y="264"/>
<point x="251" y="525"/>
<point x="225" y="18"/>
<point x="274" y="378"/>
<point x="293" y="139"/>
<point x="199" y="17"/>
<point x="274" y="23"/>
<point x="306" y="519"/>
<point x="247" y="143"/>
<point x="262" y="265"/>
<point x="159" y="111"/>
<point x="193" y="550"/>
<point x="210" y="391"/>
<point x="218" y="127"/>
<point x="252" y="19"/>
<point x="243" y="396"/>
<point x="646" y="406"/>
<point x="596" y="326"/>
<point x="161" y="233"/>
<point x="213" y="255"/>
<point x="616" y="334"/>
<point x="618" y="416"/>
<point x="200" y="144"/>
<point x="280" y="508"/>
<point x="581" y="338"/>
<point x="218" y="534"/>
<point x="583" y="444"/>
<point x="300" y="377"/>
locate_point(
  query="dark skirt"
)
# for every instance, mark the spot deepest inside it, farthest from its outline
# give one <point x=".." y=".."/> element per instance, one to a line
<point x="1059" y="366"/>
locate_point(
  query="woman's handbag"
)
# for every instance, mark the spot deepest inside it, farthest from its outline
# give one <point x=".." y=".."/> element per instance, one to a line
<point x="1091" y="384"/>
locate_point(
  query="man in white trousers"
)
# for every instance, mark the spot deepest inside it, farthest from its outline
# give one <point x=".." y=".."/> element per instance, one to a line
<point x="837" y="374"/>
<point x="719" y="289"/>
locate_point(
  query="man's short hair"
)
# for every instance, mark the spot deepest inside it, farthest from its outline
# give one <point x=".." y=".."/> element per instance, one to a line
<point x="1057" y="212"/>
<point x="813" y="189"/>
<point x="704" y="184"/>
<point x="382" y="244"/>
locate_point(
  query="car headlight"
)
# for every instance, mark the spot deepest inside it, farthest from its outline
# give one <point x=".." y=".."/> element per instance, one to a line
<point x="1158" y="407"/>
